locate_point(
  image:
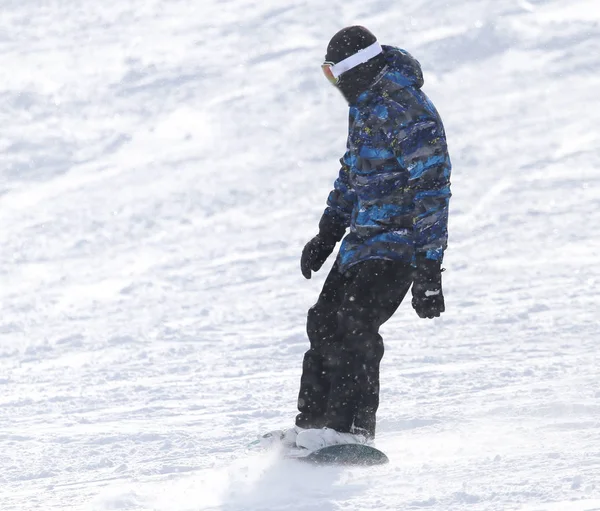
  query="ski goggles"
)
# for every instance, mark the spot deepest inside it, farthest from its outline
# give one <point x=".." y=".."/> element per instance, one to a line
<point x="333" y="71"/>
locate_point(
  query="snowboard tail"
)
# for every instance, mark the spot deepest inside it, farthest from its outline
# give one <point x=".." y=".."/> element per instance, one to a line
<point x="344" y="454"/>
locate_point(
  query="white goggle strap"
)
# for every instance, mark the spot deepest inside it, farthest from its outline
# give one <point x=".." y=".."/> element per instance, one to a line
<point x="357" y="59"/>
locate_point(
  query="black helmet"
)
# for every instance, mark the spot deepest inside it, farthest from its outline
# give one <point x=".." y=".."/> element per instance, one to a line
<point x="348" y="42"/>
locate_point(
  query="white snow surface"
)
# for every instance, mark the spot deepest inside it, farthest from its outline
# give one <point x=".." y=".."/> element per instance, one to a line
<point x="162" y="164"/>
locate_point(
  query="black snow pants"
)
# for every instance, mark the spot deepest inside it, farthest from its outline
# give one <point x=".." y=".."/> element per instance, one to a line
<point x="339" y="387"/>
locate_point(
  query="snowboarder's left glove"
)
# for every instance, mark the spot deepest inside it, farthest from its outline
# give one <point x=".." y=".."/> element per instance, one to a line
<point x="428" y="299"/>
<point x="318" y="249"/>
<point x="315" y="253"/>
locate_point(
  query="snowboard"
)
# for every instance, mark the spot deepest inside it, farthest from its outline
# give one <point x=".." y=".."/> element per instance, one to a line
<point x="344" y="454"/>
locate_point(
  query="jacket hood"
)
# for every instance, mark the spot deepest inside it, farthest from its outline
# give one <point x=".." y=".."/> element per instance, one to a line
<point x="394" y="68"/>
<point x="402" y="68"/>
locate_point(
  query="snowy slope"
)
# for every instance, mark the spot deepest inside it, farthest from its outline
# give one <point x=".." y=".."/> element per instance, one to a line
<point x="163" y="163"/>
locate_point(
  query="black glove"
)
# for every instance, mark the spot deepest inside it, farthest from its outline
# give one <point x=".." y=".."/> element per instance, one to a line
<point x="315" y="253"/>
<point x="428" y="299"/>
<point x="317" y="250"/>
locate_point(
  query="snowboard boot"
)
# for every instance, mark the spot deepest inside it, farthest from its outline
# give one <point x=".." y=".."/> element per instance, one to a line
<point x="313" y="439"/>
<point x="283" y="437"/>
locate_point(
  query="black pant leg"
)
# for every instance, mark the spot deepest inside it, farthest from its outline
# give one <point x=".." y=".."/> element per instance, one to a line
<point x="322" y="327"/>
<point x="373" y="293"/>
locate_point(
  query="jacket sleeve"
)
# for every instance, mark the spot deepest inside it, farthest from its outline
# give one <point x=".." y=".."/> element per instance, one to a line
<point x="429" y="184"/>
<point x="340" y="203"/>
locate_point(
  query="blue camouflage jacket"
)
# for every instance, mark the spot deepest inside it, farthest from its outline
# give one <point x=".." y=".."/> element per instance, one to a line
<point x="393" y="187"/>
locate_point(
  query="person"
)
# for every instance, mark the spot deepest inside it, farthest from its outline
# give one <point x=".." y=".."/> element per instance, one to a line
<point x="392" y="194"/>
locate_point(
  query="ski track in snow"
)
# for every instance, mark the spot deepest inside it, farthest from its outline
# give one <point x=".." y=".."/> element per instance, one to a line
<point x="162" y="165"/>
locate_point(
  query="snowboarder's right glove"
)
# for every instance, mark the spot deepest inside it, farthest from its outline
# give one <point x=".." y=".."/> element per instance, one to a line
<point x="428" y="299"/>
<point x="317" y="250"/>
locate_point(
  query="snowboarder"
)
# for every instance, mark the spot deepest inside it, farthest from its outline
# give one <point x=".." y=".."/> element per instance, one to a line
<point x="392" y="194"/>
